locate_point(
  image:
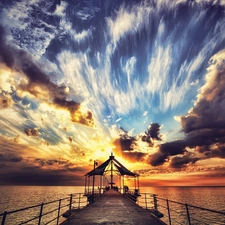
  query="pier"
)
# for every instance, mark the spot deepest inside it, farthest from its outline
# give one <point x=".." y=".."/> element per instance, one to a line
<point x="112" y="207"/>
<point x="107" y="200"/>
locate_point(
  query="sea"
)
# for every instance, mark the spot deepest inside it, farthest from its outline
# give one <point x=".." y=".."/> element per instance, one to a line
<point x="16" y="197"/>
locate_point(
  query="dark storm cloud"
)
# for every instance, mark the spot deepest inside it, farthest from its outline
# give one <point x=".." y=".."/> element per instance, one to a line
<point x="40" y="171"/>
<point x="16" y="159"/>
<point x="205" y="122"/>
<point x="74" y="109"/>
<point x="134" y="156"/>
<point x="202" y="141"/>
<point x="153" y="133"/>
<point x="182" y="161"/>
<point x="81" y="170"/>
<point x="165" y="151"/>
<point x="216" y="150"/>
<point x="63" y="163"/>
<point x="40" y="162"/>
<point x="7" y="158"/>
<point x="6" y="53"/>
<point x="157" y="158"/>
<point x="48" y="162"/>
<point x="35" y="176"/>
<point x="20" y="60"/>
<point x="124" y="143"/>
<point x="125" y="147"/>
<point x="173" y="148"/>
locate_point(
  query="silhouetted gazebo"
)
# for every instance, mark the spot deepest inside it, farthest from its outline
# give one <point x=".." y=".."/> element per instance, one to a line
<point x="109" y="168"/>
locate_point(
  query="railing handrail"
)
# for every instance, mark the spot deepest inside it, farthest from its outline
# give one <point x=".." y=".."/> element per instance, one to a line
<point x="30" y="207"/>
<point x="169" y="207"/>
<point x="71" y="199"/>
<point x="149" y="199"/>
<point x="193" y="206"/>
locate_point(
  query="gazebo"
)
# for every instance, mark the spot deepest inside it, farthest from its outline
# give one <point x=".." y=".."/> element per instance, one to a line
<point x="109" y="168"/>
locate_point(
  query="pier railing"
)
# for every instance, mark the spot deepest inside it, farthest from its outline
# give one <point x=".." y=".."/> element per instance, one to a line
<point x="177" y="213"/>
<point x="170" y="212"/>
<point x="53" y="212"/>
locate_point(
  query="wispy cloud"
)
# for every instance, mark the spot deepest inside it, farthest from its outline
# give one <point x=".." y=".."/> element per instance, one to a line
<point x="77" y="77"/>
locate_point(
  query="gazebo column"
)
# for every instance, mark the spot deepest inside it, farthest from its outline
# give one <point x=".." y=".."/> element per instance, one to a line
<point x="120" y="184"/>
<point x="100" y="185"/>
<point x="138" y="184"/>
<point x="85" y="185"/>
<point x="93" y="184"/>
<point x="134" y="183"/>
<point x="88" y="183"/>
<point x="111" y="175"/>
<point x="123" y="184"/>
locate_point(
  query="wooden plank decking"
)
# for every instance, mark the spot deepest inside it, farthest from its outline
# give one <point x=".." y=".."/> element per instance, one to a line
<point x="113" y="208"/>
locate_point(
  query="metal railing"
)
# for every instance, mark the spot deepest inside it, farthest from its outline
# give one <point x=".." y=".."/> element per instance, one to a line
<point x="45" y="213"/>
<point x="174" y="213"/>
<point x="170" y="212"/>
<point x="132" y="194"/>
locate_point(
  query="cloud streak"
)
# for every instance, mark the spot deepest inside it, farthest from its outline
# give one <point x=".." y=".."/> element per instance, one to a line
<point x="204" y="124"/>
<point x="38" y="81"/>
<point x="115" y="68"/>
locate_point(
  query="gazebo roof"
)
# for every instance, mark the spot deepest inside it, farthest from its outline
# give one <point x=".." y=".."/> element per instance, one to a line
<point x="101" y="168"/>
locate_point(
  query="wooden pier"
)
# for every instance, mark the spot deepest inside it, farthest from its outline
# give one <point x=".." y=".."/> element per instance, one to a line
<point x="112" y="207"/>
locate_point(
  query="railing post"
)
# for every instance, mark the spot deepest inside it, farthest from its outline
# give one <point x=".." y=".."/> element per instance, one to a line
<point x="155" y="202"/>
<point x="70" y="205"/>
<point x="4" y="217"/>
<point x="58" y="212"/>
<point x="168" y="208"/>
<point x="146" y="204"/>
<point x="40" y="215"/>
<point x="79" y="201"/>
<point x="188" y="215"/>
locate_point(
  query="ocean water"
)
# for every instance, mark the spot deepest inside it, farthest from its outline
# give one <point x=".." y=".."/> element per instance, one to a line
<point x="15" y="197"/>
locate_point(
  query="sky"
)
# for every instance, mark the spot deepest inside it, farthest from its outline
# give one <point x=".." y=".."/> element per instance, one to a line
<point x="143" y="79"/>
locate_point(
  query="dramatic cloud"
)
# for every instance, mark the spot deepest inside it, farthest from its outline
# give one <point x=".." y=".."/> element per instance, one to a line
<point x="124" y="143"/>
<point x="208" y="112"/>
<point x="179" y="162"/>
<point x="134" y="148"/>
<point x="134" y="156"/>
<point x="157" y="158"/>
<point x="113" y="67"/>
<point x="35" y="176"/>
<point x="153" y="133"/>
<point x="204" y="124"/>
<point x="165" y="151"/>
<point x="39" y="83"/>
<point x="10" y="158"/>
